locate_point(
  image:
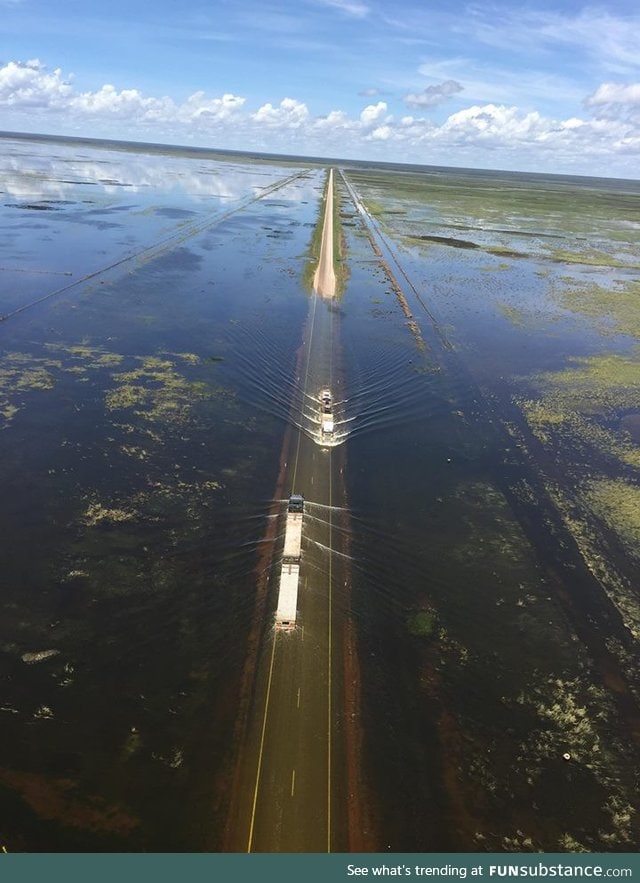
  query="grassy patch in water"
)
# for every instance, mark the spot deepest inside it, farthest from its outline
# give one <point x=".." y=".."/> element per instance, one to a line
<point x="588" y="257"/>
<point x="422" y="623"/>
<point x="592" y="385"/>
<point x="617" y="502"/>
<point x="155" y="383"/>
<point x="620" y="306"/>
<point x="22" y="373"/>
<point x="513" y="314"/>
<point x="96" y="513"/>
<point x="585" y="432"/>
<point x="158" y="391"/>
<point x="519" y="201"/>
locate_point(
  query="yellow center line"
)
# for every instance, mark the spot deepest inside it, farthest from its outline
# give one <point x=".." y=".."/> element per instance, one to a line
<point x="260" y="753"/>
<point x="293" y="782"/>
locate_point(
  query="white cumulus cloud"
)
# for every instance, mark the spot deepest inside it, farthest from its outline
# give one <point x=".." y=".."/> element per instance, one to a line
<point x="289" y="114"/>
<point x="25" y="85"/>
<point x="382" y="133"/>
<point x="604" y="140"/>
<point x="28" y="84"/>
<point x="615" y="93"/>
<point x="373" y="112"/>
<point x="493" y="122"/>
<point x="199" y="106"/>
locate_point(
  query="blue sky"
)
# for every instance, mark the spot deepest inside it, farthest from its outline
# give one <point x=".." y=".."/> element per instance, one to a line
<point x="545" y="86"/>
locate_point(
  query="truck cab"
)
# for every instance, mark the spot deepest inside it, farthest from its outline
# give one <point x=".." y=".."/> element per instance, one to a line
<point x="296" y="503"/>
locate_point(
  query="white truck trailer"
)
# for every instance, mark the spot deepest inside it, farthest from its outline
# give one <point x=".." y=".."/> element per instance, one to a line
<point x="287" y="609"/>
<point x="326" y="413"/>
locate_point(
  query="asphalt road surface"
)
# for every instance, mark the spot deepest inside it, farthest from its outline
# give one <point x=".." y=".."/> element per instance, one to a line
<point x="291" y="786"/>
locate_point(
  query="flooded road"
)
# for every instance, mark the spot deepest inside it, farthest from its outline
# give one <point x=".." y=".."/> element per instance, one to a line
<point x="468" y="613"/>
<point x="292" y="790"/>
<point x="292" y="783"/>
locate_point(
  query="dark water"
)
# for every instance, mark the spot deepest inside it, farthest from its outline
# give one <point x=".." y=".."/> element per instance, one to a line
<point x="143" y="412"/>
<point x="486" y="645"/>
<point x="137" y="473"/>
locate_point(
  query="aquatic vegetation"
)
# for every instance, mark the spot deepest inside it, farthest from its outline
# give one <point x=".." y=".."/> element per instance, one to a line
<point x="38" y="656"/>
<point x="422" y="623"/>
<point x="125" y="396"/>
<point x="617" y="502"/>
<point x="497" y="537"/>
<point x="615" y="309"/>
<point x="159" y="392"/>
<point x="22" y="373"/>
<point x="575" y="392"/>
<point x="574" y="724"/>
<point x="519" y="842"/>
<point x="589" y="542"/>
<point x="549" y="422"/>
<point x="565" y="708"/>
<point x="514" y="314"/>
<point x="621" y="812"/>
<point x="599" y="384"/>
<point x="96" y="513"/>
<point x="588" y="257"/>
<point x="568" y="843"/>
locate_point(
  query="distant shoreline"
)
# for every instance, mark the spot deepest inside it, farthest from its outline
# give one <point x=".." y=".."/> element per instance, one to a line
<point x="282" y="158"/>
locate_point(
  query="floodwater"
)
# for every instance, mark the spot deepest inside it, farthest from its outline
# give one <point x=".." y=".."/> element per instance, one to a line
<point x="495" y="612"/>
<point x="155" y="313"/>
<point x="139" y="462"/>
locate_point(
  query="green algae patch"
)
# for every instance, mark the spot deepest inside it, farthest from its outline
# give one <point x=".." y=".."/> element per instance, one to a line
<point x="589" y="258"/>
<point x="544" y="419"/>
<point x="22" y="373"/>
<point x="126" y="396"/>
<point x="9" y="412"/>
<point x="513" y="314"/>
<point x="422" y="623"/>
<point x="581" y="405"/>
<point x="159" y="392"/>
<point x="96" y="513"/>
<point x="617" y="502"/>
<point x="154" y="387"/>
<point x="189" y="358"/>
<point x="593" y="384"/>
<point x="90" y="356"/>
<point x="35" y="378"/>
<point x="616" y="308"/>
<point x="108" y="360"/>
<point x="494" y="537"/>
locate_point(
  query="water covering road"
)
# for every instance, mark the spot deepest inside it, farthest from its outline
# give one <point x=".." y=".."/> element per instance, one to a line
<point x="292" y="783"/>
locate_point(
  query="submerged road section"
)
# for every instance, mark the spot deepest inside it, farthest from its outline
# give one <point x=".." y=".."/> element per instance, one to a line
<point x="291" y="788"/>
